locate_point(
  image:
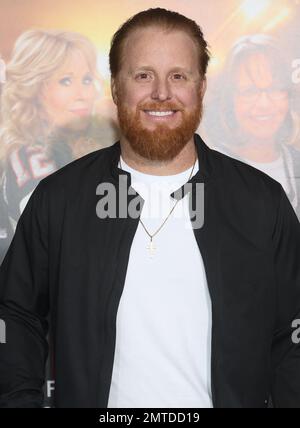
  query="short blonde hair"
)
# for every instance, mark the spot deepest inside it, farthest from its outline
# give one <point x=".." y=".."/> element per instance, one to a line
<point x="36" y="56"/>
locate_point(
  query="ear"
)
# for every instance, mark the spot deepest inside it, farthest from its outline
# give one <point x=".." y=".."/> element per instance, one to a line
<point x="203" y="86"/>
<point x="114" y="92"/>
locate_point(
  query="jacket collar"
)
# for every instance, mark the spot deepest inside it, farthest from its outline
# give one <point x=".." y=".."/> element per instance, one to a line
<point x="203" y="175"/>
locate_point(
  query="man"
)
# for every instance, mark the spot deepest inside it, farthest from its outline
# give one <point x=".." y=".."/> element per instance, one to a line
<point x="185" y="308"/>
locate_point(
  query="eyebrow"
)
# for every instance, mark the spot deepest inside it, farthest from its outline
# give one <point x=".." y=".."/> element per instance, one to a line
<point x="66" y="74"/>
<point x="72" y="74"/>
<point x="149" y="68"/>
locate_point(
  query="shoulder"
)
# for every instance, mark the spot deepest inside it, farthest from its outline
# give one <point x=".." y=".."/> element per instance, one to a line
<point x="295" y="153"/>
<point x="73" y="186"/>
<point x="245" y="190"/>
<point x="236" y="173"/>
<point x="86" y="169"/>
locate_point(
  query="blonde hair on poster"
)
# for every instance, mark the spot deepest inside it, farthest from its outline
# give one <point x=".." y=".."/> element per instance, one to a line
<point x="36" y="56"/>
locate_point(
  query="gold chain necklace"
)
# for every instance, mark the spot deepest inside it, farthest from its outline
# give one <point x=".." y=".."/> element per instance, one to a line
<point x="151" y="247"/>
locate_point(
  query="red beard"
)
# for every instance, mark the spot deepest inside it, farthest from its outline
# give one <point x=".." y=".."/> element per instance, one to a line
<point x="161" y="143"/>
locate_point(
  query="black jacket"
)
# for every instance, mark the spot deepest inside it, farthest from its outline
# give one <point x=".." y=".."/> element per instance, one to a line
<point x="64" y="258"/>
<point x="290" y="175"/>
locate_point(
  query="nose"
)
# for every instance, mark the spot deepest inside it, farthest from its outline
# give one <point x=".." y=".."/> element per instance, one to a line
<point x="161" y="90"/>
<point x="81" y="91"/>
<point x="264" y="100"/>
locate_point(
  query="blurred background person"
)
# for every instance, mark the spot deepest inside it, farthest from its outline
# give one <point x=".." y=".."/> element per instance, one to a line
<point x="251" y="112"/>
<point x="47" y="105"/>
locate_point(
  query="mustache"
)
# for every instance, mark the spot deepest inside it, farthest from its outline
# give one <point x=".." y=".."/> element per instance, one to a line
<point x="162" y="106"/>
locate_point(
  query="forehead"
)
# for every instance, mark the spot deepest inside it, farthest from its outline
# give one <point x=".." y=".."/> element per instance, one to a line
<point x="75" y="62"/>
<point x="160" y="48"/>
<point x="257" y="69"/>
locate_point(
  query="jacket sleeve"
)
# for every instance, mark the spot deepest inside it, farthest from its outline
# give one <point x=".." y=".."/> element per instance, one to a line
<point x="24" y="306"/>
<point x="285" y="349"/>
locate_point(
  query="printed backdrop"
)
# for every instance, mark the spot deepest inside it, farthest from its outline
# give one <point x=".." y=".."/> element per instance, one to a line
<point x="252" y="104"/>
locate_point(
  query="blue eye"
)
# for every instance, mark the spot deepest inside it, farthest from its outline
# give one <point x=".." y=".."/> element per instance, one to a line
<point x="87" y="80"/>
<point x="65" y="81"/>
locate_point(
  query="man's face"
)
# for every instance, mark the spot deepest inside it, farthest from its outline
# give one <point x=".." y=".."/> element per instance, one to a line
<point x="159" y="92"/>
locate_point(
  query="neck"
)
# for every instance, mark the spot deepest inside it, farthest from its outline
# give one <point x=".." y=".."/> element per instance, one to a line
<point x="265" y="151"/>
<point x="183" y="161"/>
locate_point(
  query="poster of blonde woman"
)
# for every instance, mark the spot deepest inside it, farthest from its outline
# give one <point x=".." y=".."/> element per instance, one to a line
<point x="47" y="104"/>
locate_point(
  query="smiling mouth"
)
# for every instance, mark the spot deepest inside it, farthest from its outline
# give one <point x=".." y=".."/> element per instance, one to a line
<point x="80" y="111"/>
<point x="157" y="113"/>
<point x="263" y="118"/>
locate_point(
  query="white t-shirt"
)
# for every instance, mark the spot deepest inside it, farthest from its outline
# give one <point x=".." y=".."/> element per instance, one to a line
<point x="163" y="338"/>
<point x="274" y="169"/>
<point x="277" y="171"/>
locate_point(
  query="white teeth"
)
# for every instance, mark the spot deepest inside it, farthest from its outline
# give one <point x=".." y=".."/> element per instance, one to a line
<point x="160" y="113"/>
